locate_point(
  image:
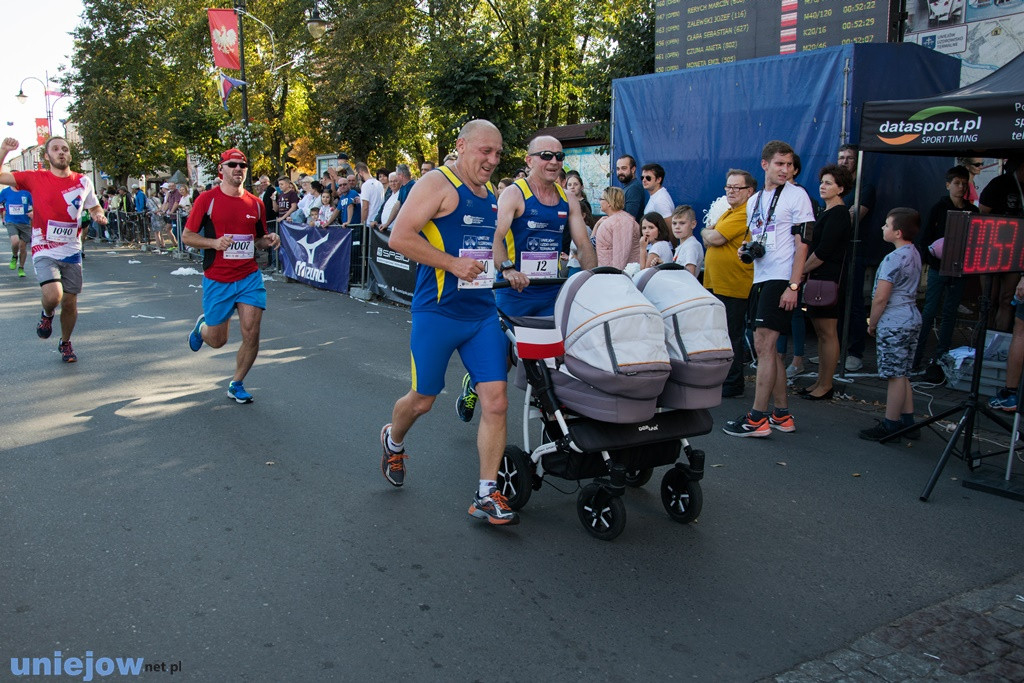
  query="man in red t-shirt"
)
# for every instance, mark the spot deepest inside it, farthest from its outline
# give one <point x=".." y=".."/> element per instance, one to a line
<point x="58" y="197"/>
<point x="230" y="223"/>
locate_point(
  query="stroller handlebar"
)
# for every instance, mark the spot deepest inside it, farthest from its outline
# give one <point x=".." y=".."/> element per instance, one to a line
<point x="503" y="284"/>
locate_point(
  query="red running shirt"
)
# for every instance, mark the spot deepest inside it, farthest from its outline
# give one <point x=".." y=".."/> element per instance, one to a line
<point x="57" y="204"/>
<point x="215" y="214"/>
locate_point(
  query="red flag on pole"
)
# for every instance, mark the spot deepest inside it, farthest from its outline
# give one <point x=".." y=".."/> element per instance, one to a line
<point x="42" y="131"/>
<point x="224" y="38"/>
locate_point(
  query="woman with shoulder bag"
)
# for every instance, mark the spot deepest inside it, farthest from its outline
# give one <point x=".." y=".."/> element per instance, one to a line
<point x="824" y="269"/>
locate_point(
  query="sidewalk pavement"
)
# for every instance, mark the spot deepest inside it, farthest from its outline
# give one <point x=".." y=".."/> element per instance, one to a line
<point x="977" y="636"/>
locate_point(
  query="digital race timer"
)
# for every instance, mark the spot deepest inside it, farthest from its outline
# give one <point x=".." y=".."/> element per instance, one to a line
<point x="982" y="244"/>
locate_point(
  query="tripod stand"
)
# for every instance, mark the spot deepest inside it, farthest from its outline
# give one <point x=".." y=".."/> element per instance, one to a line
<point x="968" y="408"/>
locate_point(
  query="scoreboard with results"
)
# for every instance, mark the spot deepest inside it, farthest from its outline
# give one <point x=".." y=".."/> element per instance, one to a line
<point x="705" y="32"/>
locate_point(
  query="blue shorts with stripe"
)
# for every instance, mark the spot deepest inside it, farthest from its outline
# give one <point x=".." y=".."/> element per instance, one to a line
<point x="219" y="298"/>
<point x="435" y="337"/>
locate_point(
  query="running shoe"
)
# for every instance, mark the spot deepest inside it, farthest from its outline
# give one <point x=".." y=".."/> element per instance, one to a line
<point x="853" y="364"/>
<point x="21" y="272"/>
<point x="195" y="337"/>
<point x="45" y="326"/>
<point x="392" y="464"/>
<point x="746" y="426"/>
<point x="238" y="392"/>
<point x="494" y="508"/>
<point x="1005" y="399"/>
<point x="67" y="354"/>
<point x="792" y="371"/>
<point x="465" y="404"/>
<point x="14" y="262"/>
<point x="783" y="423"/>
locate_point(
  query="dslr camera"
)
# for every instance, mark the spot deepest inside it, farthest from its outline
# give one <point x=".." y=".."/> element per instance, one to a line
<point x="751" y="251"/>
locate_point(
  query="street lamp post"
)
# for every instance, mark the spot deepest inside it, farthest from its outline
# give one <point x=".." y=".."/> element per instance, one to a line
<point x="23" y="98"/>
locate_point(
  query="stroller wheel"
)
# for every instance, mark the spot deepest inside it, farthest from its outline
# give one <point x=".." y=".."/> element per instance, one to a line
<point x="681" y="496"/>
<point x="603" y="515"/>
<point x="515" y="477"/>
<point x="637" y="478"/>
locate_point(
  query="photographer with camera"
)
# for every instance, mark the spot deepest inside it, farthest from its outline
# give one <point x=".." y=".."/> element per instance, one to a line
<point x="779" y="220"/>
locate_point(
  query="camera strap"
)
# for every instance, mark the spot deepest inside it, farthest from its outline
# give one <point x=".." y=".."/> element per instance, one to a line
<point x="771" y="212"/>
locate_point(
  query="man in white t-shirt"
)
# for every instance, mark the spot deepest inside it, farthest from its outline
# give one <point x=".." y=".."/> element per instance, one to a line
<point x="653" y="176"/>
<point x="778" y="217"/>
<point x="372" y="194"/>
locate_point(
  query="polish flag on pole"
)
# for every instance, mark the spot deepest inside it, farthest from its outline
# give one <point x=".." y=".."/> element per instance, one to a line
<point x="789" y="5"/>
<point x="224" y="38"/>
<point x="534" y="344"/>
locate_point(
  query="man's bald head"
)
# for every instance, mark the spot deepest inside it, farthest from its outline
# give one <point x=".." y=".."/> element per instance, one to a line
<point x="543" y="142"/>
<point x="477" y="126"/>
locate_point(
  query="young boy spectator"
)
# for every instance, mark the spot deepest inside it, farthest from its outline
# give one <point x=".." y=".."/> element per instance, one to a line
<point x="895" y="321"/>
<point x="942" y="288"/>
<point x="689" y="253"/>
<point x="314" y="218"/>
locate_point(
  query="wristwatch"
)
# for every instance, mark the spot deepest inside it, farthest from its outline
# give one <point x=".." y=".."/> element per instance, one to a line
<point x="505" y="265"/>
<point x="795" y="286"/>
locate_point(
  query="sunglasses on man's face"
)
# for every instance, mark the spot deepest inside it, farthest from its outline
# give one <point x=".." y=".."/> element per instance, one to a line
<point x="236" y="164"/>
<point x="648" y="177"/>
<point x="548" y="155"/>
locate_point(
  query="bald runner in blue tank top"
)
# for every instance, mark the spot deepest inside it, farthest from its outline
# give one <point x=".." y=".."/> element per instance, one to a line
<point x="451" y="314"/>
<point x="535" y="240"/>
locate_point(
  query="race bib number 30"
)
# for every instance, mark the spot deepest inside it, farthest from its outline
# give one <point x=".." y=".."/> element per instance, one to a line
<point x="539" y="264"/>
<point x="485" y="279"/>
<point x="242" y="247"/>
<point x="61" y="231"/>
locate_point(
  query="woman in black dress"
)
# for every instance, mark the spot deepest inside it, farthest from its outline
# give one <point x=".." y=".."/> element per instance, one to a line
<point x="832" y="233"/>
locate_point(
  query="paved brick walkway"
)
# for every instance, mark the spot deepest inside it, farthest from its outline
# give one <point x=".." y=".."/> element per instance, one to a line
<point x="977" y="636"/>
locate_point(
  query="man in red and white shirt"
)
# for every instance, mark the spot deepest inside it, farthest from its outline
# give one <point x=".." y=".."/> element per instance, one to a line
<point x="230" y="224"/>
<point x="58" y="196"/>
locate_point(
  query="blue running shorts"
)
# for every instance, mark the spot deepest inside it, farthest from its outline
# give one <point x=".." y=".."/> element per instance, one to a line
<point x="481" y="345"/>
<point x="219" y="298"/>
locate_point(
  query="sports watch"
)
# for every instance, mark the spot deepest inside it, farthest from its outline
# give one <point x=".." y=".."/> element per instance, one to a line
<point x="505" y="265"/>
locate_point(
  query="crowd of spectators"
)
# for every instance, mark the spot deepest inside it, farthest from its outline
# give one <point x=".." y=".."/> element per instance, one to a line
<point x="885" y="263"/>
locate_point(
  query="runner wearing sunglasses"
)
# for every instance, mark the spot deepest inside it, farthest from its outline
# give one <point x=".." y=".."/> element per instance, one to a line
<point x="532" y="214"/>
<point x="233" y="224"/>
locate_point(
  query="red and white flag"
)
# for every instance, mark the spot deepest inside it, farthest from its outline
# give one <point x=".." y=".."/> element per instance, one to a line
<point x="224" y="38"/>
<point x="534" y="344"/>
<point x="42" y="131"/>
<point x="789" y="5"/>
<point x="789" y="19"/>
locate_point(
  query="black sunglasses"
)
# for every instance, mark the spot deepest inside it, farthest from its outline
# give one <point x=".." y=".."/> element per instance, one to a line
<point x="648" y="177"/>
<point x="548" y="155"/>
<point x="236" y="164"/>
<point x="977" y="165"/>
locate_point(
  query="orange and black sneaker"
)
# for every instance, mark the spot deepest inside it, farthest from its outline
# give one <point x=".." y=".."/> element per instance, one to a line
<point x="392" y="464"/>
<point x="45" y="325"/>
<point x="745" y="425"/>
<point x="783" y="423"/>
<point x="67" y="354"/>
<point x="494" y="508"/>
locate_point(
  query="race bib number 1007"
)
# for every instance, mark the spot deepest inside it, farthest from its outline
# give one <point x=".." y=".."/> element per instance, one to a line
<point x="242" y="247"/>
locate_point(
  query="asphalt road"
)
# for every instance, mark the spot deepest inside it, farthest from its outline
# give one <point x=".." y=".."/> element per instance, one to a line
<point x="143" y="514"/>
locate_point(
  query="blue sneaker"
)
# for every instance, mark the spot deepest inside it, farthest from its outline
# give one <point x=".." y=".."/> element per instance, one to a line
<point x="1005" y="399"/>
<point x="195" y="339"/>
<point x="238" y="392"/>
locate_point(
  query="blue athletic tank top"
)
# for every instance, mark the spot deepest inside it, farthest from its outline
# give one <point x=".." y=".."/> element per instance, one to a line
<point x="534" y="242"/>
<point x="467" y="231"/>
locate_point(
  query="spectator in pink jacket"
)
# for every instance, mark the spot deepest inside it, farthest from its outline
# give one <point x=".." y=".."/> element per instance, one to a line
<point x="617" y="235"/>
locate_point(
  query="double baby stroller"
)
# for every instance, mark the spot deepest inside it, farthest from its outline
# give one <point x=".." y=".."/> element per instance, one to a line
<point x="618" y="380"/>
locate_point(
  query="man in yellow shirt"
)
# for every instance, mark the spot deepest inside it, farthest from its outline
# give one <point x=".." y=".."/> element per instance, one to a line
<point x="725" y="275"/>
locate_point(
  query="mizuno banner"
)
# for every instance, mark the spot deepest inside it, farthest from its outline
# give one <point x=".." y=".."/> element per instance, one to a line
<point x="318" y="257"/>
